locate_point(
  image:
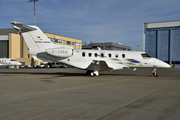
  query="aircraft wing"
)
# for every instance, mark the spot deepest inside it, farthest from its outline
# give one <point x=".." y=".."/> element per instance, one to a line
<point x="99" y="66"/>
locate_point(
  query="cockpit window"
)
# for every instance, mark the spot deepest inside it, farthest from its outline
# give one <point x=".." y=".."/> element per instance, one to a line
<point x="145" y="55"/>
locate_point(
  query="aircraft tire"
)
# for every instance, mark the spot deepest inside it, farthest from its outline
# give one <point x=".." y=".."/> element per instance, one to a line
<point x="92" y="74"/>
<point x="154" y="75"/>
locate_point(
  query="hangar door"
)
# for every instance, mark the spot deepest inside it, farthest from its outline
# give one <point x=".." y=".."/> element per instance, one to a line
<point x="4" y="46"/>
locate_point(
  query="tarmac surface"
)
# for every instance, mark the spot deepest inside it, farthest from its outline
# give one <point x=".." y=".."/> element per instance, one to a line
<point x="68" y="94"/>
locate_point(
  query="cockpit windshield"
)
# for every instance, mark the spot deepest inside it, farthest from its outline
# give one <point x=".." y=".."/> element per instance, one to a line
<point x="145" y="55"/>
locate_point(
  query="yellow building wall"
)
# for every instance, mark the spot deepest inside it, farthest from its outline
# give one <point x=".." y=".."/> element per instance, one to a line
<point x="14" y="45"/>
<point x="28" y="61"/>
<point x="37" y="62"/>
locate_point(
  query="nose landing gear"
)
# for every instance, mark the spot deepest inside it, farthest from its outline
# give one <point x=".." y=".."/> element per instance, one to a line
<point x="154" y="73"/>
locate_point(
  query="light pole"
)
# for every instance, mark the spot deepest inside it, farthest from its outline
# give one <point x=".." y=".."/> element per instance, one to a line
<point x="34" y="8"/>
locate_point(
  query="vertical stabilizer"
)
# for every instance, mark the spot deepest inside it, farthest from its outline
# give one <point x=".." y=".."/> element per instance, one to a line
<point x="34" y="37"/>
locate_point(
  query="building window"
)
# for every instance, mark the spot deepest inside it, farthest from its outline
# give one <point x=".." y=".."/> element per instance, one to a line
<point x="68" y="42"/>
<point x="62" y="41"/>
<point x="109" y="55"/>
<point x="76" y="44"/>
<point x="123" y="55"/>
<point x="58" y="41"/>
<point x="83" y="54"/>
<point x="52" y="40"/>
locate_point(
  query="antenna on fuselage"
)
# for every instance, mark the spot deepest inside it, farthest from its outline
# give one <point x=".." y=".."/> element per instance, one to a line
<point x="98" y="48"/>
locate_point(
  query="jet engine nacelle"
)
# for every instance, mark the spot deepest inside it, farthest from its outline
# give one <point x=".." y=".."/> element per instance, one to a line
<point x="60" y="52"/>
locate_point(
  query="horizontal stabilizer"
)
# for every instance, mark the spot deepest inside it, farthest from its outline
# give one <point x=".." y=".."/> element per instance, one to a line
<point x="21" y="27"/>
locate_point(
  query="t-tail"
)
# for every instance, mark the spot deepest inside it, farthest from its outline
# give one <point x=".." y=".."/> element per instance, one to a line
<point x="34" y="37"/>
<point x="39" y="45"/>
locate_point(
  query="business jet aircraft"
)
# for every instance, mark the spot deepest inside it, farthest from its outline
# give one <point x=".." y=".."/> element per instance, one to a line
<point x="9" y="62"/>
<point x="91" y="60"/>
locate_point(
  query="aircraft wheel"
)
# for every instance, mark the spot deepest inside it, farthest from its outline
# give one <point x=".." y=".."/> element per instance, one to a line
<point x="92" y="74"/>
<point x="154" y="75"/>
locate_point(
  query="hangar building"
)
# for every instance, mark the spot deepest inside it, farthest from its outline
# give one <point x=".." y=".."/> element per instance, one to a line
<point x="12" y="45"/>
<point x="162" y="40"/>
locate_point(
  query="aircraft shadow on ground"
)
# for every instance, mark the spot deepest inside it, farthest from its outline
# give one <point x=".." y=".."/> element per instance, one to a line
<point x="66" y="74"/>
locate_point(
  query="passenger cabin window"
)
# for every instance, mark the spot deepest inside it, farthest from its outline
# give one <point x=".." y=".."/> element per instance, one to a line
<point x="109" y="55"/>
<point x="90" y="54"/>
<point x="146" y="55"/>
<point x="116" y="55"/>
<point x="102" y="54"/>
<point x="83" y="54"/>
<point x="123" y="55"/>
<point x="95" y="54"/>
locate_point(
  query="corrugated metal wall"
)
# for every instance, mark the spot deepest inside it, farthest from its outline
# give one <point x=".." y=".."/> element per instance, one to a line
<point x="4" y="48"/>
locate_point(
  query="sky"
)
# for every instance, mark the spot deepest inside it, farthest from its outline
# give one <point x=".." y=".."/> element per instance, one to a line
<point x="118" y="21"/>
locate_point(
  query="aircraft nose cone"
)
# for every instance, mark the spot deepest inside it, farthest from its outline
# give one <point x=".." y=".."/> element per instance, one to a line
<point x="168" y="66"/>
<point x="165" y="65"/>
<point x="161" y="64"/>
<point x="19" y="63"/>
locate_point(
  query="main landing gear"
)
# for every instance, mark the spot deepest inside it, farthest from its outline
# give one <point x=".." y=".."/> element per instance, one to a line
<point x="92" y="73"/>
<point x="154" y="73"/>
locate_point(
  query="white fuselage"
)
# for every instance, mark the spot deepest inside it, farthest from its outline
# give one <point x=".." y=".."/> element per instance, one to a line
<point x="9" y="62"/>
<point x="114" y="59"/>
